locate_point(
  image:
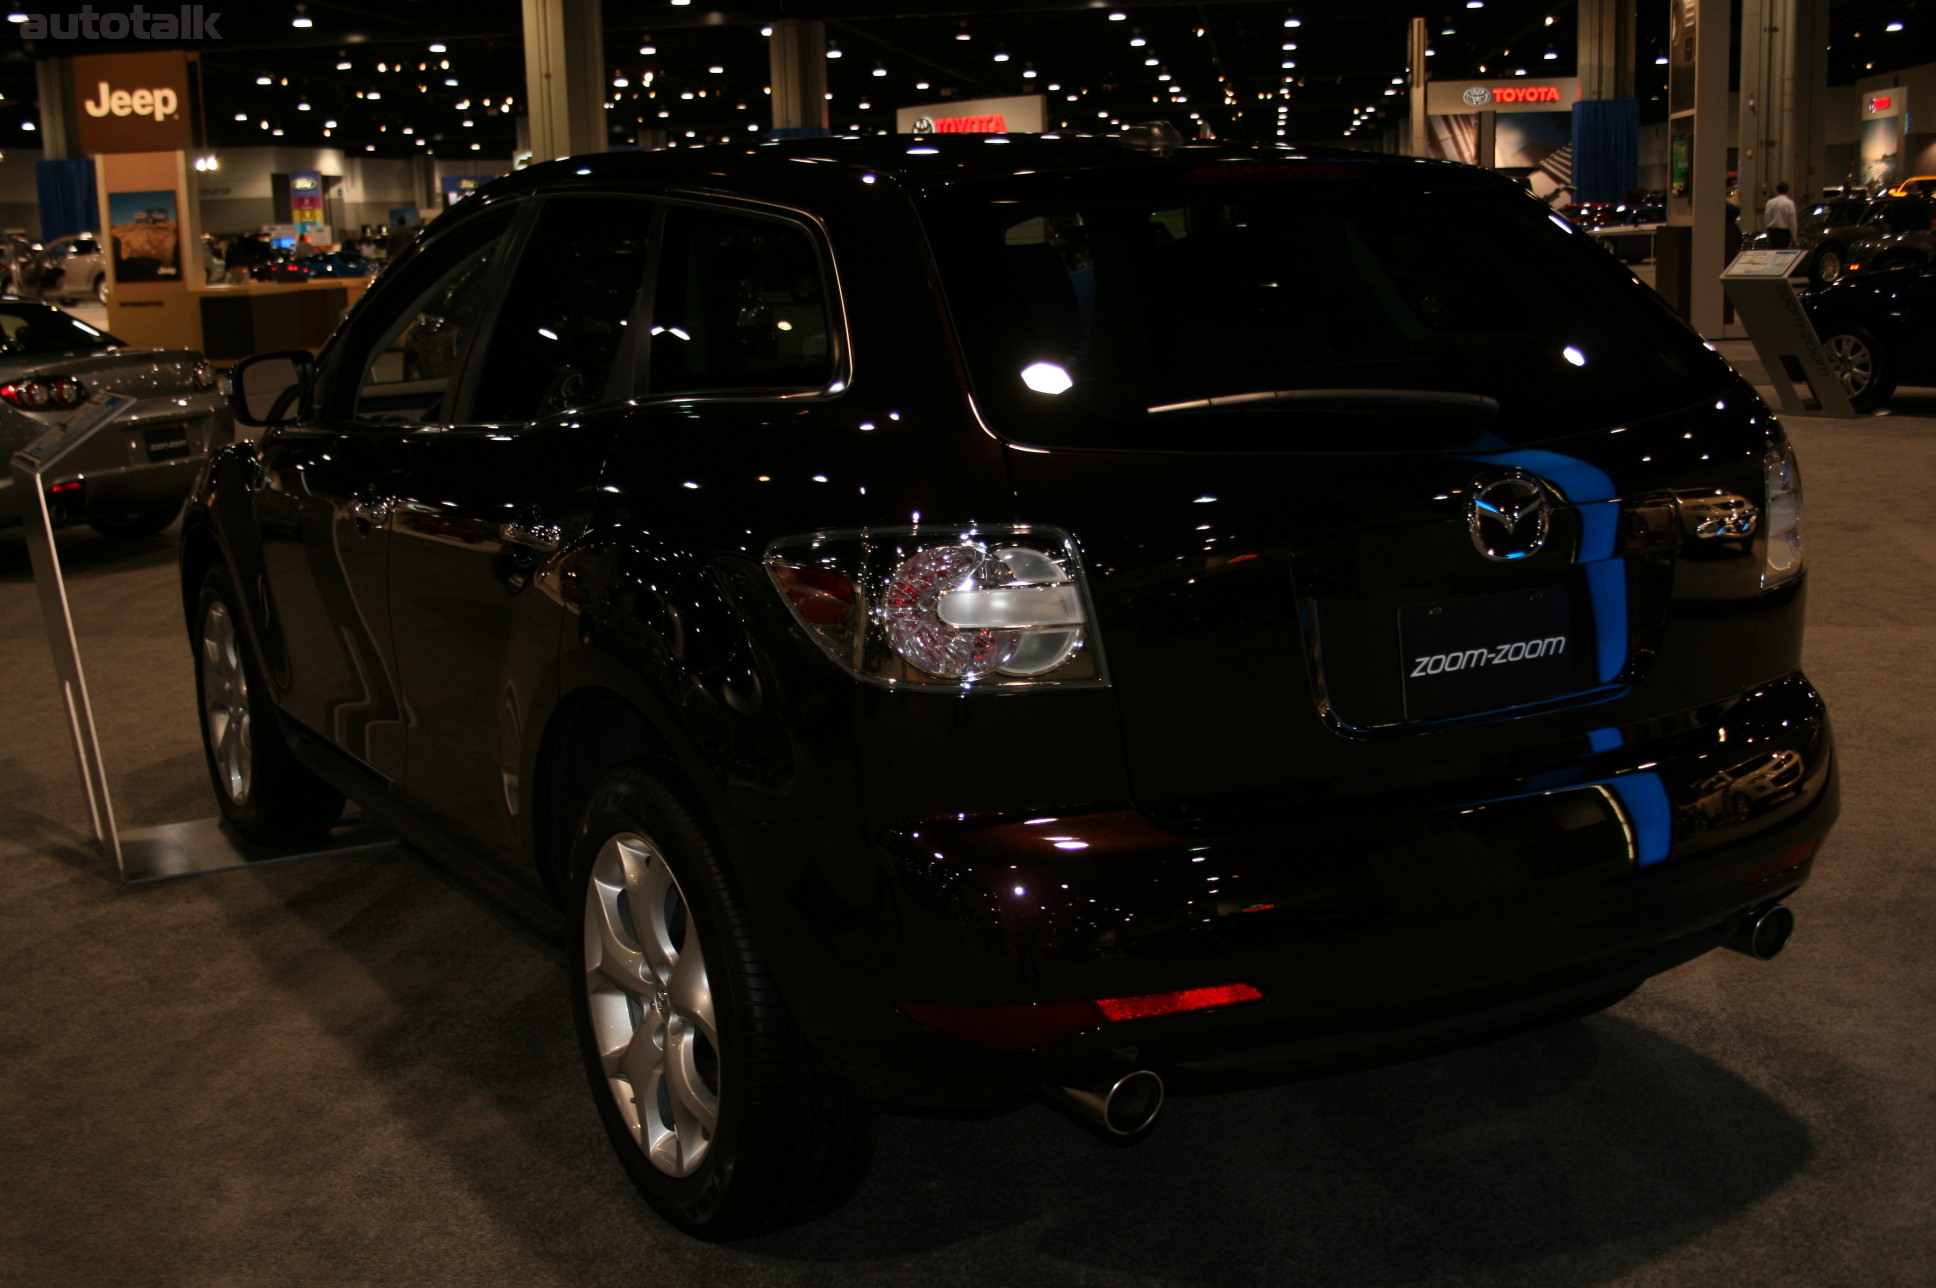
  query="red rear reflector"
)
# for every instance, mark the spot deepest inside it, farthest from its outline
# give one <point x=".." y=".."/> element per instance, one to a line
<point x="1782" y="862"/>
<point x="824" y="598"/>
<point x="1189" y="999"/>
<point x="62" y="489"/>
<point x="1027" y="1026"/>
<point x="1024" y="1027"/>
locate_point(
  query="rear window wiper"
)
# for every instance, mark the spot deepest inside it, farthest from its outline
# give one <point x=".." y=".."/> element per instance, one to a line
<point x="1347" y="400"/>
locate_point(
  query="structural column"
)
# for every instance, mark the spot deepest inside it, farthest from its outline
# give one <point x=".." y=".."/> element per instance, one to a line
<point x="1689" y="262"/>
<point x="1415" y="60"/>
<point x="1605" y="49"/>
<point x="797" y="63"/>
<point x="54" y="82"/>
<point x="564" y="77"/>
<point x="1784" y="90"/>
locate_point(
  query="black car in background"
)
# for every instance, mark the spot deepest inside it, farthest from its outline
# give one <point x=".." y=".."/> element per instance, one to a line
<point x="1879" y="331"/>
<point x="932" y="618"/>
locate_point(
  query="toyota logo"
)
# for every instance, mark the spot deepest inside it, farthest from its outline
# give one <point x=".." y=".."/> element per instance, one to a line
<point x="1508" y="517"/>
<point x="1477" y="97"/>
<point x="924" y="125"/>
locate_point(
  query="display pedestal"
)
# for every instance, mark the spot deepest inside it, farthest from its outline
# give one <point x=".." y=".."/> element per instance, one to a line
<point x="155" y="853"/>
<point x="1784" y="339"/>
<point x="205" y="845"/>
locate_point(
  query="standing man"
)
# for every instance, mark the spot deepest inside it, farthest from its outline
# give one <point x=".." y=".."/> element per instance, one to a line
<point x="1780" y="218"/>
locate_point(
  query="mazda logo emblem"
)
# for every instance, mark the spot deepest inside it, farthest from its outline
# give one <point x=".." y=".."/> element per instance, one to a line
<point x="1508" y="517"/>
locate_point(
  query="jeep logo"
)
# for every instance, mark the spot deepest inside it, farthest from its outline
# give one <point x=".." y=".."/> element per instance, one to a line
<point x="157" y="103"/>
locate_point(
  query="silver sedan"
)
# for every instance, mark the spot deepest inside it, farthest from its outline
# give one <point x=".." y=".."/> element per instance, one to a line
<point x="151" y="417"/>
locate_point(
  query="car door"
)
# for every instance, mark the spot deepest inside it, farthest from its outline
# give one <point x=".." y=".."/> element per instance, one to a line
<point x="323" y="509"/>
<point x="483" y="505"/>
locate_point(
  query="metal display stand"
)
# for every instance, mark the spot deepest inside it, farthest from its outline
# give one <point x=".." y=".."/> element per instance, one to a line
<point x="1757" y="284"/>
<point x="154" y="853"/>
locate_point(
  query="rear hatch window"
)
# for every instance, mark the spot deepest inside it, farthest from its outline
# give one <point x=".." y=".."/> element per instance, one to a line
<point x="1281" y="305"/>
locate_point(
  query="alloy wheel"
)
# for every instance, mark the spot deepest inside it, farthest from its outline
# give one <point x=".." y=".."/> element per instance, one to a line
<point x="651" y="1004"/>
<point x="1853" y="361"/>
<point x="1828" y="267"/>
<point x="225" y="704"/>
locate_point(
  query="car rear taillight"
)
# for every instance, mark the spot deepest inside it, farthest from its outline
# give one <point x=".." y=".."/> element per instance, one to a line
<point x="203" y="375"/>
<point x="30" y="394"/>
<point x="1028" y="1026"/>
<point x="966" y="609"/>
<point x="1783" y="495"/>
<point x="821" y="597"/>
<point x="63" y="392"/>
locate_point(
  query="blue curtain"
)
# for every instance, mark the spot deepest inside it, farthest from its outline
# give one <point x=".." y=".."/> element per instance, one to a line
<point x="67" y="202"/>
<point x="1606" y="149"/>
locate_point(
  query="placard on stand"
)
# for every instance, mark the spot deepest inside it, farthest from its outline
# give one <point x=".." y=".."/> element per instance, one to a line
<point x="153" y="853"/>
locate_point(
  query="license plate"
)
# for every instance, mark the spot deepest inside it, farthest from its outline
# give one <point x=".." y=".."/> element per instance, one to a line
<point x="167" y="442"/>
<point x="1489" y="652"/>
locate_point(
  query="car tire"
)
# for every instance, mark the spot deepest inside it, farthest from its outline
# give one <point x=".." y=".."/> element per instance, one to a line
<point x="142" y="523"/>
<point x="100" y="288"/>
<point x="1867" y="374"/>
<point x="724" y="1118"/>
<point x="1828" y="265"/>
<point x="265" y="793"/>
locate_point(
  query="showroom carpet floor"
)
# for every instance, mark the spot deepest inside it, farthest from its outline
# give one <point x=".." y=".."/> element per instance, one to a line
<point x="349" y="1071"/>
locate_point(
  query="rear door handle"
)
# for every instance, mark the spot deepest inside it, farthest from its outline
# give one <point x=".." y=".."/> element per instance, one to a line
<point x="371" y="512"/>
<point x="531" y="534"/>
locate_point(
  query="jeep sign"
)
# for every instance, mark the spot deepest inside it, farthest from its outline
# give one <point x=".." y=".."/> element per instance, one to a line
<point x="132" y="102"/>
<point x="158" y="103"/>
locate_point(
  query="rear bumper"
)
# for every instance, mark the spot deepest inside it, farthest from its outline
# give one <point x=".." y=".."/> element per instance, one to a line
<point x="1374" y="929"/>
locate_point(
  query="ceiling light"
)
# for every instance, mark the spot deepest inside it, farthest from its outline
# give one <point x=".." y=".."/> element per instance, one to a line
<point x="962" y="35"/>
<point x="1137" y="42"/>
<point x="241" y="116"/>
<point x="1292" y="22"/>
<point x="301" y="19"/>
<point x="833" y="51"/>
<point x="438" y="49"/>
<point x="302" y="107"/>
<point x="1117" y="17"/>
<point x="766" y="31"/>
<point x="920" y="85"/>
<point x="648" y="50"/>
<point x="342" y="67"/>
<point x="265" y="80"/>
<point x="1001" y="58"/>
<point x="619" y="82"/>
<point x="1894" y="26"/>
<point x="716" y="71"/>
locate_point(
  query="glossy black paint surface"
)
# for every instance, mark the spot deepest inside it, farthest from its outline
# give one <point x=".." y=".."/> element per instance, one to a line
<point x="471" y="622"/>
<point x="1897" y="306"/>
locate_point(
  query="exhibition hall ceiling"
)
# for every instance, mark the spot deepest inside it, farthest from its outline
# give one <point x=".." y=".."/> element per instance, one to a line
<point x="446" y="77"/>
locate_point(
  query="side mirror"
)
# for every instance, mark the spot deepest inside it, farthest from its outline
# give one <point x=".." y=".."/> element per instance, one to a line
<point x="271" y="389"/>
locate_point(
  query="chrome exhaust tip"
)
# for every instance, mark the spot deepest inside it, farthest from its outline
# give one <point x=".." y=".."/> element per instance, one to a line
<point x="1765" y="933"/>
<point x="1123" y="1101"/>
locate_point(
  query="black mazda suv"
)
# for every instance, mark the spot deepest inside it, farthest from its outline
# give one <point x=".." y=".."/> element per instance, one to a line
<point x="929" y="619"/>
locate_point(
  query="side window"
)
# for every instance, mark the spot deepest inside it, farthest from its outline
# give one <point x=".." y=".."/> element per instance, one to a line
<point x="564" y="328"/>
<point x="408" y="376"/>
<point x="742" y="303"/>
